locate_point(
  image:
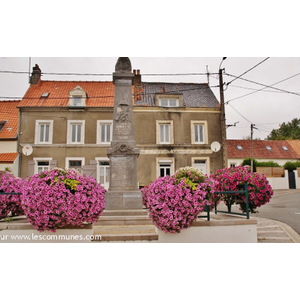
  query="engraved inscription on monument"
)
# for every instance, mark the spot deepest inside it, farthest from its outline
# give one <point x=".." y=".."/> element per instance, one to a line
<point x="120" y="174"/>
<point x="123" y="130"/>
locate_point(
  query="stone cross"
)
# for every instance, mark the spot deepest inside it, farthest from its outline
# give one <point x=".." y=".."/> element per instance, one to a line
<point x="123" y="192"/>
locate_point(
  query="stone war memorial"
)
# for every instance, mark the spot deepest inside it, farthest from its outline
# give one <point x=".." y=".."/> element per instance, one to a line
<point x="123" y="191"/>
<point x="124" y="218"/>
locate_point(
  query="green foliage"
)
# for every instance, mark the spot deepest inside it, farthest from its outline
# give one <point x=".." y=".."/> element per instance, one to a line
<point x="267" y="164"/>
<point x="247" y="162"/>
<point x="191" y="176"/>
<point x="70" y="184"/>
<point x="286" y="131"/>
<point x="291" y="166"/>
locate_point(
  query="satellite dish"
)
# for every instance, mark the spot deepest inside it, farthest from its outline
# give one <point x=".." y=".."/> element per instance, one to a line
<point x="215" y="146"/>
<point x="27" y="150"/>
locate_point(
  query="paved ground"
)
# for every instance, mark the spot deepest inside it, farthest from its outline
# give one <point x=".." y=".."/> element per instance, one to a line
<point x="271" y="231"/>
<point x="277" y="221"/>
<point x="284" y="207"/>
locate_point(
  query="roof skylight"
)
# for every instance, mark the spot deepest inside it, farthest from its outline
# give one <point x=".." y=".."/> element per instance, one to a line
<point x="285" y="148"/>
<point x="268" y="148"/>
<point x="239" y="147"/>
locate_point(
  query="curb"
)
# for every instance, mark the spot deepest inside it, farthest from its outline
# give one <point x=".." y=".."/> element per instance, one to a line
<point x="288" y="230"/>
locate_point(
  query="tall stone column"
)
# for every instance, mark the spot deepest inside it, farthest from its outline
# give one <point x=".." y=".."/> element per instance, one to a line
<point x="123" y="192"/>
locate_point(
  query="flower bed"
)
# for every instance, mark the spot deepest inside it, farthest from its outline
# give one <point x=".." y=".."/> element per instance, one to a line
<point x="175" y="202"/>
<point x="10" y="204"/>
<point x="234" y="179"/>
<point x="56" y="198"/>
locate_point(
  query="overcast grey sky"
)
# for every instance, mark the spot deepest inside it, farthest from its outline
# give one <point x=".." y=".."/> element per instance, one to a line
<point x="266" y="108"/>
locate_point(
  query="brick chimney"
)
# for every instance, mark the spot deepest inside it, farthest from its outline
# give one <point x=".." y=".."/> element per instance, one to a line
<point x="137" y="80"/>
<point x="35" y="75"/>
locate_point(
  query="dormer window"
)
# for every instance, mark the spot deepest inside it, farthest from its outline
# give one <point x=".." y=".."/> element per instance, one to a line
<point x="77" y="101"/>
<point x="77" y="97"/>
<point x="168" y="100"/>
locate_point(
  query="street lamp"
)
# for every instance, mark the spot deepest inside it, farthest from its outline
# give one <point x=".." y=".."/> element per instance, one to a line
<point x="222" y="62"/>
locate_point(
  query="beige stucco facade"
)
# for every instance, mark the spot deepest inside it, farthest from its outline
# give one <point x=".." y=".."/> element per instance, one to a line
<point x="180" y="152"/>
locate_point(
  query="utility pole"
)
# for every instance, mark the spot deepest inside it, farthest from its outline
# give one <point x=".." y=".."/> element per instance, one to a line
<point x="251" y="155"/>
<point x="223" y="119"/>
<point x="207" y="74"/>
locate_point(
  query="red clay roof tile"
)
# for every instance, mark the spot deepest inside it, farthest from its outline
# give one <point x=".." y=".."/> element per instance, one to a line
<point x="99" y="93"/>
<point x="295" y="144"/>
<point x="9" y="114"/>
<point x="8" y="157"/>
<point x="260" y="150"/>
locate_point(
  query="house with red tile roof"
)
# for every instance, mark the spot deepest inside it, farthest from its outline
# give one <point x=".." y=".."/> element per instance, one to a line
<point x="9" y="120"/>
<point x="295" y="144"/>
<point x="263" y="150"/>
<point x="68" y="124"/>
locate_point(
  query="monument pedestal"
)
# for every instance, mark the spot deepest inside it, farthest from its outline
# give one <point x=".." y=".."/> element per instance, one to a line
<point x="118" y="200"/>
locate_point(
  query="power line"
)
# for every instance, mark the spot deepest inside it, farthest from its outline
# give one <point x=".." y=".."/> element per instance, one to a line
<point x="101" y="74"/>
<point x="252" y="89"/>
<point x="112" y="96"/>
<point x="247" y="71"/>
<point x="270" y="86"/>
<point x="267" y="86"/>
<point x="240" y="114"/>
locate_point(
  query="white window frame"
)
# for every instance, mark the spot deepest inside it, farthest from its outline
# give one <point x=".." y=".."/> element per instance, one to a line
<point x="205" y="130"/>
<point x="171" y="132"/>
<point x="68" y="159"/>
<point x="161" y="97"/>
<point x="69" y="133"/>
<point x="99" y="135"/>
<point x="41" y="159"/>
<point x="168" y="102"/>
<point x="165" y="160"/>
<point x="38" y="124"/>
<point x="102" y="159"/>
<point x="75" y="94"/>
<point x="207" y="161"/>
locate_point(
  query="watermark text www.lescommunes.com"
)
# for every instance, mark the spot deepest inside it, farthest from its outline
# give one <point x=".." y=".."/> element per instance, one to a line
<point x="49" y="237"/>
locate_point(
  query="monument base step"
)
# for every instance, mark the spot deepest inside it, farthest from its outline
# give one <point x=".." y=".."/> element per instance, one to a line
<point x="123" y="220"/>
<point x="125" y="212"/>
<point x="127" y="237"/>
<point x="124" y="225"/>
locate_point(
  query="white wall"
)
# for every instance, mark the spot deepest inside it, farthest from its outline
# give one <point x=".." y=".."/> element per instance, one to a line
<point x="279" y="183"/>
<point x="241" y="231"/>
<point x="12" y="167"/>
<point x="297" y="179"/>
<point x="8" y="146"/>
